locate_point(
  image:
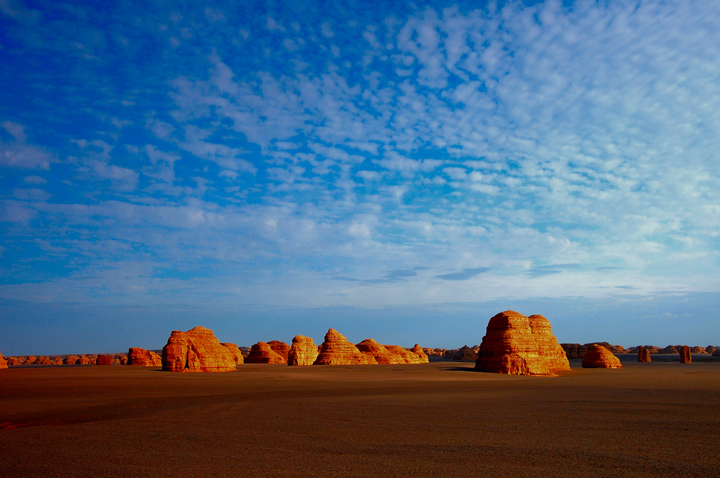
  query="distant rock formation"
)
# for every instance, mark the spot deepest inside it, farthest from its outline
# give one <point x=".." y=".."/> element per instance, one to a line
<point x="261" y="352"/>
<point x="303" y="351"/>
<point x="465" y="354"/>
<point x="336" y="350"/>
<point x="57" y="360"/>
<point x="13" y="361"/>
<point x="436" y="352"/>
<point x="30" y="360"/>
<point x="574" y="351"/>
<point x="3" y="362"/>
<point x="196" y="350"/>
<point x="235" y="350"/>
<point x="407" y="356"/>
<point x="71" y="360"/>
<point x="697" y="350"/>
<point x="716" y="353"/>
<point x="381" y="354"/>
<point x="643" y="354"/>
<point x="84" y="360"/>
<point x="549" y="349"/>
<point x="509" y="347"/>
<point x="684" y="352"/>
<point x="420" y="352"/>
<point x="600" y="357"/>
<point x="280" y="348"/>
<point x="143" y="358"/>
<point x="104" y="360"/>
<point x="43" y="360"/>
<point x="668" y="350"/>
<point x="710" y="349"/>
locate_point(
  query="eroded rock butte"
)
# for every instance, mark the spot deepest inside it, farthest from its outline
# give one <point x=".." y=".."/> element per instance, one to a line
<point x="600" y="357"/>
<point x="303" y="351"/>
<point x="196" y="350"/>
<point x="336" y="350"/>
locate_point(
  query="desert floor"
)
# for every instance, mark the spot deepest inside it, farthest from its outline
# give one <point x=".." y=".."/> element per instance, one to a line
<point x="437" y="419"/>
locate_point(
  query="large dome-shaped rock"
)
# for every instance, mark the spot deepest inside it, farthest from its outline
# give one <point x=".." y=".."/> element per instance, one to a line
<point x="235" y="350"/>
<point x="381" y="354"/>
<point x="261" y="352"/>
<point x="643" y="354"/>
<point x="668" y="350"/>
<point x="336" y="350"/>
<point x="71" y="360"/>
<point x="548" y="347"/>
<point x="3" y="362"/>
<point x="303" y="351"/>
<point x="104" y="359"/>
<point x="84" y="360"/>
<point x="509" y="347"/>
<point x="143" y="358"/>
<point x="280" y="348"/>
<point x="196" y="350"/>
<point x="600" y="357"/>
<point x="684" y="352"/>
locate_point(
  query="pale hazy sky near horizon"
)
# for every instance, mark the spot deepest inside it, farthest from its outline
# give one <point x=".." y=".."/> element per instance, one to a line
<point x="394" y="170"/>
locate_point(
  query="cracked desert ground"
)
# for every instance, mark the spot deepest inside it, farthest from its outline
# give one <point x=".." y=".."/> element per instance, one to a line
<point x="436" y="419"/>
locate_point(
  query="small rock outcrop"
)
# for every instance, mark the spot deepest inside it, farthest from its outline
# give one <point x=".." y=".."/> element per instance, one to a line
<point x="643" y="354"/>
<point x="84" y="360"/>
<point x="407" y="356"/>
<point x="280" y="348"/>
<point x="235" y="350"/>
<point x="685" y="356"/>
<point x="465" y="354"/>
<point x="381" y="354"/>
<point x="549" y="349"/>
<point x="303" y="351"/>
<point x="261" y="352"/>
<point x="3" y="362"/>
<point x="716" y="353"/>
<point x="196" y="350"/>
<point x="668" y="350"/>
<point x="710" y="349"/>
<point x="600" y="357"/>
<point x="420" y="352"/>
<point x="143" y="358"/>
<point x="71" y="360"/>
<point x="104" y="359"/>
<point x="509" y="347"/>
<point x="12" y="361"/>
<point x="336" y="350"/>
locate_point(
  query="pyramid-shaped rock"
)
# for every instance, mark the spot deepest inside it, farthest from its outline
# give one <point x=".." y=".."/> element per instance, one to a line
<point x="600" y="357"/>
<point x="261" y="352"/>
<point x="303" y="351"/>
<point x="143" y="358"/>
<point x="548" y="347"/>
<point x="336" y="350"/>
<point x="196" y="350"/>
<point x="381" y="354"/>
<point x="509" y="347"/>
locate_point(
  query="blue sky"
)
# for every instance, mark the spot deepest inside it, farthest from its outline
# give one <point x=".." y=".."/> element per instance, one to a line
<point x="393" y="170"/>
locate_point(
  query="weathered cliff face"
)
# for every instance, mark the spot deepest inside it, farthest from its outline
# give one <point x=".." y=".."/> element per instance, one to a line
<point x="280" y="348"/>
<point x="336" y="350"/>
<point x="303" y="351"/>
<point x="261" y="352"/>
<point x="235" y="351"/>
<point x="144" y="358"/>
<point x="549" y="349"/>
<point x="196" y="350"/>
<point x="3" y="362"/>
<point x="600" y="357"/>
<point x="509" y="347"/>
<point x="420" y="352"/>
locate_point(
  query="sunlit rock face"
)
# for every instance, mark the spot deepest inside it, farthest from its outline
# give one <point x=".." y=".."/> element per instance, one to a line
<point x="684" y="352"/>
<point x="235" y="350"/>
<point x="549" y="349"/>
<point x="408" y="357"/>
<point x="196" y="350"/>
<point x="71" y="360"/>
<point x="509" y="347"/>
<point x="144" y="358"/>
<point x="336" y="350"/>
<point x="280" y="348"/>
<point x="600" y="357"/>
<point x="84" y="360"/>
<point x="30" y="360"/>
<point x="643" y="354"/>
<point x="3" y="362"/>
<point x="261" y="352"/>
<point x="303" y="351"/>
<point x="420" y="352"/>
<point x="104" y="360"/>
<point x="43" y="360"/>
<point x="379" y="352"/>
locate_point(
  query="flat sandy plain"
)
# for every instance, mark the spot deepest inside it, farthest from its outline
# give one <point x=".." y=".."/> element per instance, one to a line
<point x="437" y="419"/>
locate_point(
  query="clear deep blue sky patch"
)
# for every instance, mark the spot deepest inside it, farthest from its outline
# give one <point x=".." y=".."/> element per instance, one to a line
<point x="269" y="169"/>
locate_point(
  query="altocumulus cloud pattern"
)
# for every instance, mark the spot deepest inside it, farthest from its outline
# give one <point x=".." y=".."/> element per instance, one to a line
<point x="237" y="161"/>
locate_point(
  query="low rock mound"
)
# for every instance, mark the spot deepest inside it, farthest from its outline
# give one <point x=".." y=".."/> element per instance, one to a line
<point x="261" y="352"/>
<point x="381" y="354"/>
<point x="303" y="351"/>
<point x="336" y="350"/>
<point x="104" y="360"/>
<point x="143" y="358"/>
<point x="600" y="357"/>
<point x="196" y="350"/>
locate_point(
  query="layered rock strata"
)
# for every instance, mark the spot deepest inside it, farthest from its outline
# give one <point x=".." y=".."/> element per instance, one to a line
<point x="143" y="358"/>
<point x="3" y="362"/>
<point x="684" y="352"/>
<point x="261" y="352"/>
<point x="643" y="354"/>
<point x="509" y="347"/>
<point x="549" y="349"/>
<point x="235" y="350"/>
<point x="104" y="360"/>
<point x="196" y="350"/>
<point x="336" y="350"/>
<point x="600" y="357"/>
<point x="303" y="351"/>
<point x="280" y="348"/>
<point x="420" y="352"/>
<point x="381" y="354"/>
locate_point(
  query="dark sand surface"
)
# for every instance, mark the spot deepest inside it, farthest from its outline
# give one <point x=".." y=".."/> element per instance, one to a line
<point x="438" y="419"/>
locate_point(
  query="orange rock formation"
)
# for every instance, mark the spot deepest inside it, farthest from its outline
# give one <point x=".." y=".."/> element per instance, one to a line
<point x="143" y="358"/>
<point x="30" y="360"/>
<point x="600" y="357"/>
<point x="336" y="350"/>
<point x="15" y="360"/>
<point x="420" y="352"/>
<point x="71" y="360"/>
<point x="263" y="353"/>
<point x="684" y="352"/>
<point x="84" y="360"/>
<point x="3" y="362"/>
<point x="509" y="347"/>
<point x="235" y="350"/>
<point x="280" y="348"/>
<point x="548" y="347"/>
<point x="379" y="352"/>
<point x="407" y="356"/>
<point x="104" y="360"/>
<point x="643" y="354"/>
<point x="303" y="351"/>
<point x="196" y="350"/>
<point x="463" y="354"/>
